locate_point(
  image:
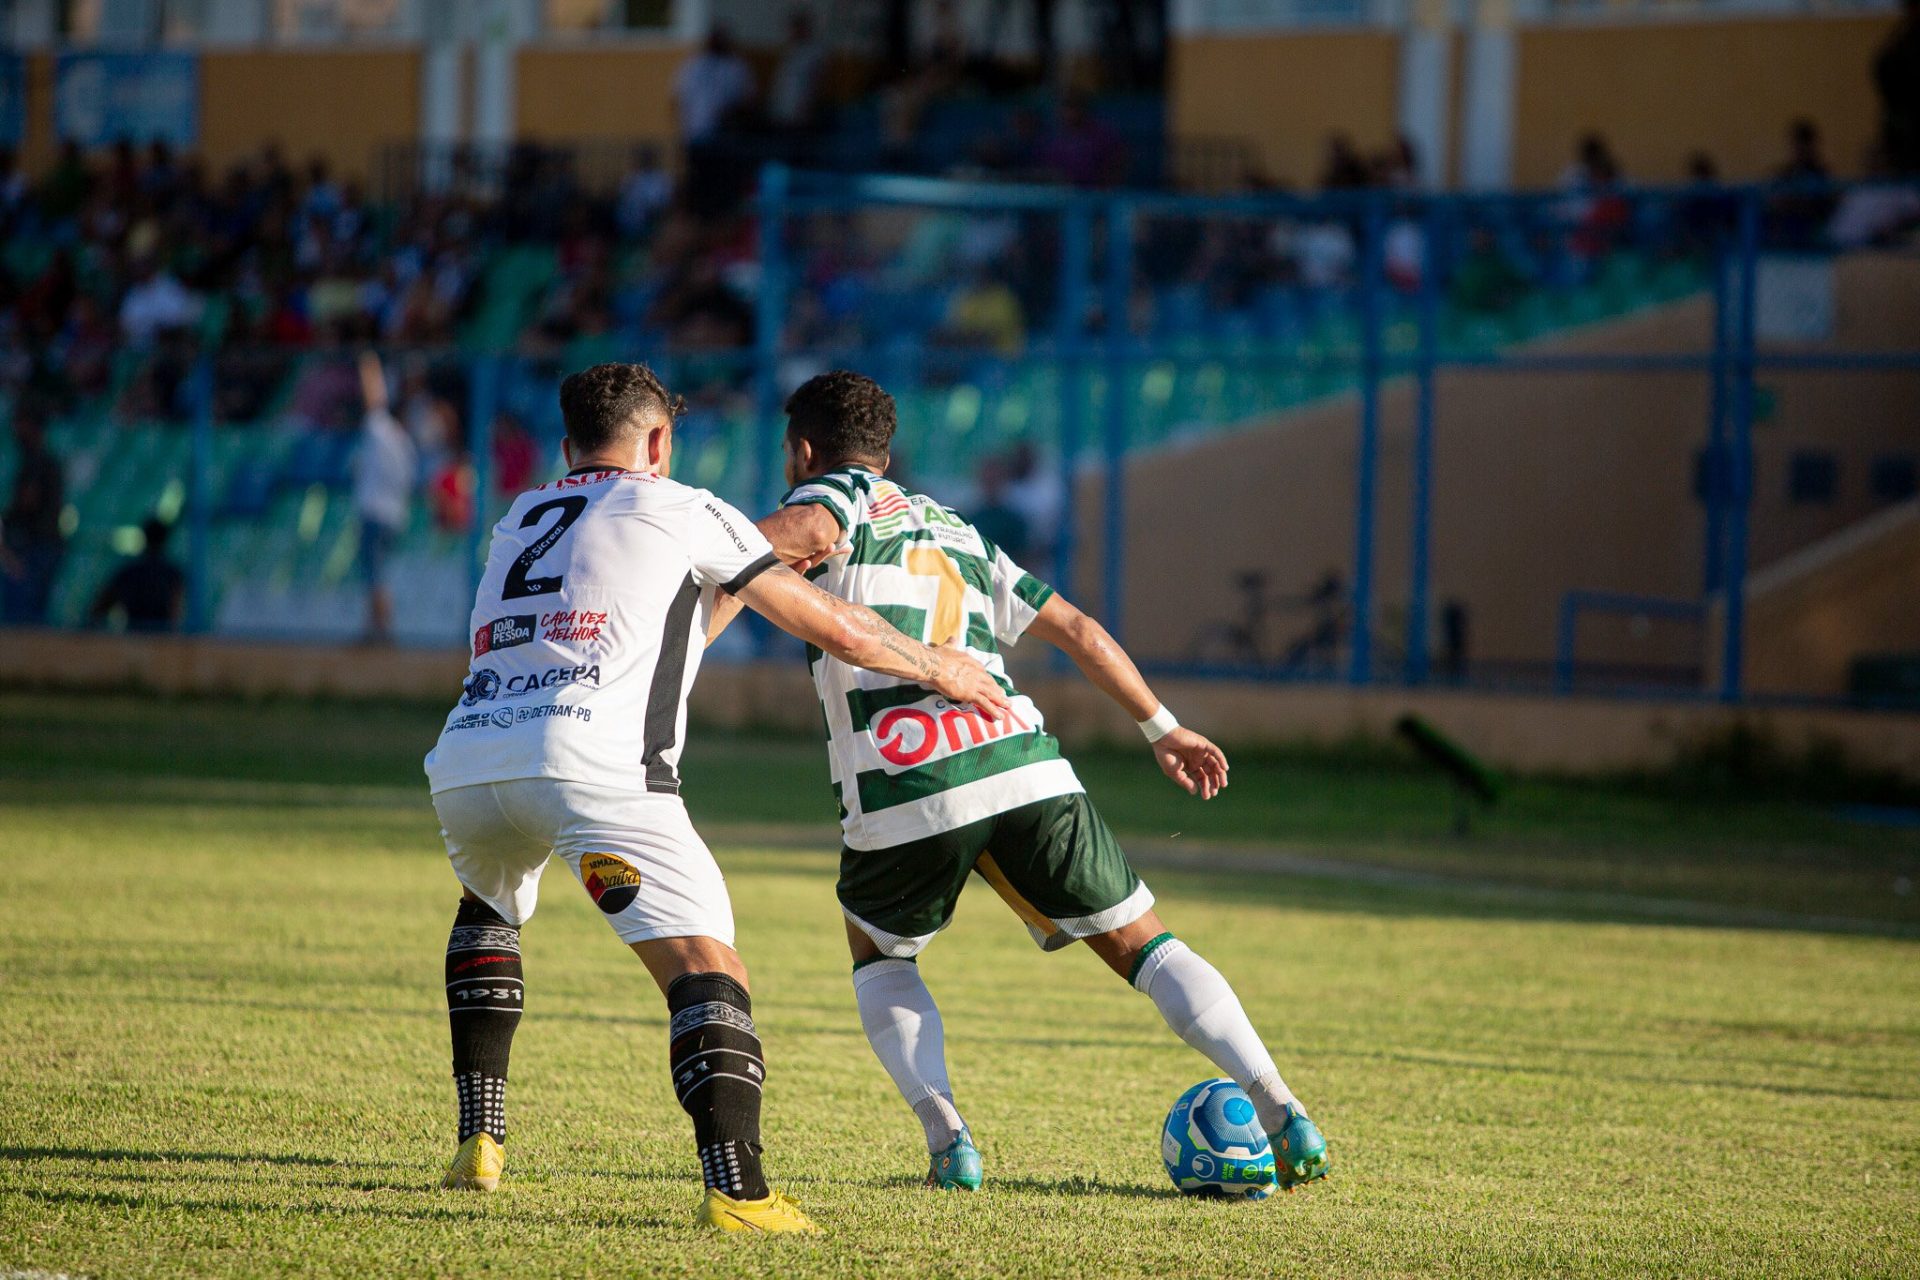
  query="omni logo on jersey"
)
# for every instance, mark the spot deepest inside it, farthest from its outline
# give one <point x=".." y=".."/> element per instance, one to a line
<point x="611" y="882"/>
<point x="907" y="736"/>
<point x="503" y="633"/>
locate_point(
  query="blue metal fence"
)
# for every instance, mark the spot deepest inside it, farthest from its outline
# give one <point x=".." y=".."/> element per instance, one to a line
<point x="1090" y="369"/>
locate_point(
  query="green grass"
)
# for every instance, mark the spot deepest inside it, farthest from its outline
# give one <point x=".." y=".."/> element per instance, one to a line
<point x="222" y="1043"/>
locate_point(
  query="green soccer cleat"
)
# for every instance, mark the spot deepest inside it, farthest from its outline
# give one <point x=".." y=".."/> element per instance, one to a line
<point x="957" y="1168"/>
<point x="1299" y="1152"/>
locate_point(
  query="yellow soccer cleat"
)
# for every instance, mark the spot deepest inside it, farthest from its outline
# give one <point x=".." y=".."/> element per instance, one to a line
<point x="477" y="1165"/>
<point x="777" y="1213"/>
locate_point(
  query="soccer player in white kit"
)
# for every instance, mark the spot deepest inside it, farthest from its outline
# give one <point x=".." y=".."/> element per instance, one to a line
<point x="587" y="631"/>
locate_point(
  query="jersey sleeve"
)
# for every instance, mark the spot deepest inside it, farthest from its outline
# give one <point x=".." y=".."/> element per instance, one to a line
<point x="726" y="550"/>
<point x="1017" y="596"/>
<point x="824" y="491"/>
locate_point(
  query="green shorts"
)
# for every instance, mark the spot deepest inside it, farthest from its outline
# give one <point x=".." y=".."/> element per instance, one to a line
<point x="1054" y="861"/>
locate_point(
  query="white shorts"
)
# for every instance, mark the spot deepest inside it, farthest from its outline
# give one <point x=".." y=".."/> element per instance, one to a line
<point x="636" y="852"/>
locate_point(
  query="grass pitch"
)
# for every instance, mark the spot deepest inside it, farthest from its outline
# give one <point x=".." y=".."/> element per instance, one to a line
<point x="222" y="1042"/>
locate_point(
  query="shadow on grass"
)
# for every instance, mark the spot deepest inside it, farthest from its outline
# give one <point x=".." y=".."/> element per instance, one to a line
<point x="450" y="1207"/>
<point x="107" y="1155"/>
<point x="290" y="1006"/>
<point x="1682" y="1082"/>
<point x="1342" y="880"/>
<point x="1388" y="892"/>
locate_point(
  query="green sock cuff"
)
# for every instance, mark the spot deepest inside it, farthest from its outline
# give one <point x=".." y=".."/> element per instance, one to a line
<point x="1140" y="960"/>
<point x="858" y="965"/>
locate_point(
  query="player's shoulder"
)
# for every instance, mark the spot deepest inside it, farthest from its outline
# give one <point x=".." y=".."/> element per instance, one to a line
<point x="617" y="490"/>
<point x="851" y="484"/>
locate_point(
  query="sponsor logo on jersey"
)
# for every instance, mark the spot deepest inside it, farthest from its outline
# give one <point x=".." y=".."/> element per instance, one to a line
<point x="572" y="626"/>
<point x="551" y="678"/>
<point x="739" y="543"/>
<point x="503" y="633"/>
<point x="611" y="882"/>
<point x="521" y="715"/>
<point x="593" y="477"/>
<point x="887" y="508"/>
<point x="482" y="686"/>
<point x="502" y="718"/>
<point x="913" y="735"/>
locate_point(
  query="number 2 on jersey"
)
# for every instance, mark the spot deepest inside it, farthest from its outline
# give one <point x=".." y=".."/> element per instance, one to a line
<point x="518" y="584"/>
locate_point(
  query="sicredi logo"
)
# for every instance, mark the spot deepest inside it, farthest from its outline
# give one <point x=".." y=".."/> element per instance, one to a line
<point x="503" y="633"/>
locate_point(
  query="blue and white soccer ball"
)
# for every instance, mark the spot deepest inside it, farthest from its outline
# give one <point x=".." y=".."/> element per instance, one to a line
<point x="1214" y="1146"/>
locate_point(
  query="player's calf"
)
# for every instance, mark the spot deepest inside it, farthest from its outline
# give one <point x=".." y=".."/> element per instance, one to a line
<point x="718" y="1070"/>
<point x="485" y="997"/>
<point x="1201" y="1008"/>
<point x="904" y="1027"/>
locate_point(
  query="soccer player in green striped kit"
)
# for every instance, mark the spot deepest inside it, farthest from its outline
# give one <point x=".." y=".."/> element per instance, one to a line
<point x="931" y="792"/>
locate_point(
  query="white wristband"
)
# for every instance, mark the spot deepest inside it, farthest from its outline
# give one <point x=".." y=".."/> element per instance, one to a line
<point x="1159" y="724"/>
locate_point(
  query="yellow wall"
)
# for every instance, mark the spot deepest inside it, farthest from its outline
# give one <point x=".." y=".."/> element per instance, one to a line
<point x="1284" y="93"/>
<point x="1813" y="614"/>
<point x="597" y="92"/>
<point x="340" y="104"/>
<point x="1663" y="90"/>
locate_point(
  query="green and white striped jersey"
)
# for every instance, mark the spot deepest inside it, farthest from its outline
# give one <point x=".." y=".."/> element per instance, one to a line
<point x="906" y="762"/>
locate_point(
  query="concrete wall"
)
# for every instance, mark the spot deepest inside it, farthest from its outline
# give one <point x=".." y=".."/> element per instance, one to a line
<point x="1512" y="732"/>
<point x="1661" y="90"/>
<point x="614" y="91"/>
<point x="1283" y="94"/>
<point x="1544" y="483"/>
<point x="1857" y="592"/>
<point x="342" y="104"/>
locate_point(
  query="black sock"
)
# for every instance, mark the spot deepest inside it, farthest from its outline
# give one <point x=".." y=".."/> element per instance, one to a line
<point x="484" y="997"/>
<point x="717" y="1073"/>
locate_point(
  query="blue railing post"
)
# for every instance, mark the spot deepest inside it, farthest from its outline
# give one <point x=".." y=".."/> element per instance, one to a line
<point x="1739" y="478"/>
<point x="769" y="314"/>
<point x="1564" y="642"/>
<point x="200" y="501"/>
<point x="1119" y="288"/>
<point x="1360" y="653"/>
<point x="1714" y="468"/>
<point x="483" y="406"/>
<point x="1436" y="227"/>
<point x="1076" y="239"/>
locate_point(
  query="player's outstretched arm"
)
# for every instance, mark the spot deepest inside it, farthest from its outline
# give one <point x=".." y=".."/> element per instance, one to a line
<point x="1194" y="763"/>
<point x="857" y="635"/>
<point x="801" y="535"/>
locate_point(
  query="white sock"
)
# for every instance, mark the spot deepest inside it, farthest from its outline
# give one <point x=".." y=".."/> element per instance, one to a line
<point x="903" y="1026"/>
<point x="1202" y="1010"/>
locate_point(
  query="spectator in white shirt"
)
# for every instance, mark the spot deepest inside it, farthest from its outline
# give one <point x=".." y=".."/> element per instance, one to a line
<point x="156" y="304"/>
<point x="385" y="469"/>
<point x="794" y="102"/>
<point x="645" y="193"/>
<point x="711" y="86"/>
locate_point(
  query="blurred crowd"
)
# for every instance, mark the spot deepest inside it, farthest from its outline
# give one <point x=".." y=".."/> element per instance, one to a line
<point x="121" y="266"/>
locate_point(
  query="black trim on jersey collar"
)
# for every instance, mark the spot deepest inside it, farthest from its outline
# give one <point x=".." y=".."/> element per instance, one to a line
<point x="588" y="471"/>
<point x="748" y="574"/>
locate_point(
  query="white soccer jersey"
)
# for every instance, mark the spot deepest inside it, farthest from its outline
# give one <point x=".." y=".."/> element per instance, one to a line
<point x="906" y="762"/>
<point x="587" y="632"/>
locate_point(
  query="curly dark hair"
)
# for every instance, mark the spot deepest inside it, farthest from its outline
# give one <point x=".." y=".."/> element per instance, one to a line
<point x="845" y="416"/>
<point x="610" y="403"/>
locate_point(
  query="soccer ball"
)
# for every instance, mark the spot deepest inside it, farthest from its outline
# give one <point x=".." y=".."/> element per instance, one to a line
<point x="1213" y="1144"/>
